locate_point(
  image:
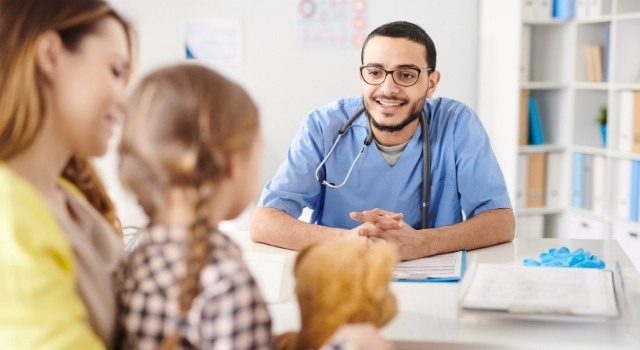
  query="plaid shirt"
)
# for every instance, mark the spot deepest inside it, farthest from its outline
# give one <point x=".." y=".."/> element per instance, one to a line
<point x="229" y="312"/>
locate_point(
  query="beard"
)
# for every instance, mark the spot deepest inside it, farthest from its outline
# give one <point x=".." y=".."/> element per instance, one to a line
<point x="414" y="113"/>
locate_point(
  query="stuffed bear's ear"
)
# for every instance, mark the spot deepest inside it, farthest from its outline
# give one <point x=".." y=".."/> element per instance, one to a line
<point x="381" y="261"/>
<point x="302" y="254"/>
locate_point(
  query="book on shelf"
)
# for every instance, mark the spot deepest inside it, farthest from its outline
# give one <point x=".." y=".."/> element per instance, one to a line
<point x="523" y="137"/>
<point x="563" y="9"/>
<point x="521" y="191"/>
<point x="605" y="53"/>
<point x="577" y="196"/>
<point x="594" y="63"/>
<point x="553" y="183"/>
<point x="635" y="190"/>
<point x="636" y="123"/>
<point x="598" y="185"/>
<point x="536" y="180"/>
<point x="625" y="121"/>
<point x="535" y="126"/>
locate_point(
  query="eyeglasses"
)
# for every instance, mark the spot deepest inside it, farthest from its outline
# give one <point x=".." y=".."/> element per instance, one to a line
<point x="402" y="76"/>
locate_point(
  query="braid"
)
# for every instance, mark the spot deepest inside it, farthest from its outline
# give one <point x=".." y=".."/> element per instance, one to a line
<point x="197" y="256"/>
<point x="81" y="173"/>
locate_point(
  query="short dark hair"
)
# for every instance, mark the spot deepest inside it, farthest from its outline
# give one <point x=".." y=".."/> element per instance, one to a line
<point x="405" y="30"/>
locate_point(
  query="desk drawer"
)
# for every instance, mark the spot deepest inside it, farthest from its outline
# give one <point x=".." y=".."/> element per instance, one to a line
<point x="628" y="235"/>
<point x="585" y="228"/>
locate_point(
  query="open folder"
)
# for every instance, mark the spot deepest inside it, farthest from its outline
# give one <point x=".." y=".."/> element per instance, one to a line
<point x="547" y="293"/>
<point x="438" y="268"/>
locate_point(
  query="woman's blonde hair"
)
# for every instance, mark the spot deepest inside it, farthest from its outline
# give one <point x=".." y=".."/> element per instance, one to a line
<point x="182" y="124"/>
<point x="21" y="101"/>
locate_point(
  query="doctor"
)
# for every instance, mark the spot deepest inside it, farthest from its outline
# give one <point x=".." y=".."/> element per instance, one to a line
<point x="377" y="194"/>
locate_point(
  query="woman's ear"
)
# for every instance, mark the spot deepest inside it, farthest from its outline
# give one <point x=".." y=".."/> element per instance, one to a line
<point x="48" y="50"/>
<point x="233" y="165"/>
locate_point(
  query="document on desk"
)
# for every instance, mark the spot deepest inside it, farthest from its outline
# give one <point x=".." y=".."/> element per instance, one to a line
<point x="541" y="290"/>
<point x="437" y="267"/>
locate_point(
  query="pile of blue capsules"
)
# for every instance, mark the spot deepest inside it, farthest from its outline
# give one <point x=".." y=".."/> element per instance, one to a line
<point x="563" y="257"/>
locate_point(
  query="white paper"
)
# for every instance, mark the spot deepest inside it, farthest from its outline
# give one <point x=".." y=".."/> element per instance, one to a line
<point x="542" y="290"/>
<point x="437" y="266"/>
<point x="213" y="41"/>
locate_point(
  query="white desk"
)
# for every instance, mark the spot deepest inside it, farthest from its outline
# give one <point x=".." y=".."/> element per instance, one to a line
<point x="428" y="316"/>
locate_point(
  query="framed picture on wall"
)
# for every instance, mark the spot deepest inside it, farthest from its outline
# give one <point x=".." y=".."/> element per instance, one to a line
<point x="214" y="41"/>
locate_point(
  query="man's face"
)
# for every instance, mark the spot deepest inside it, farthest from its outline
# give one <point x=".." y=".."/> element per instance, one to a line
<point x="391" y="107"/>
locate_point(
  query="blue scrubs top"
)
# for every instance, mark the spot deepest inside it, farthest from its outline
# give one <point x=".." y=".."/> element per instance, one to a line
<point x="465" y="174"/>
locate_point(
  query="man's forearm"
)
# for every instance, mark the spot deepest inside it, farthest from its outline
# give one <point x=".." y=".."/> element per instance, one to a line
<point x="486" y="229"/>
<point x="275" y="227"/>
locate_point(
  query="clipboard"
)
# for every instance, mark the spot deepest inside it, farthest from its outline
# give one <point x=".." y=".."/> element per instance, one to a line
<point x="425" y="278"/>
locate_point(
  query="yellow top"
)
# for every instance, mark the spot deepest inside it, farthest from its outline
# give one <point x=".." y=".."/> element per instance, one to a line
<point x="39" y="304"/>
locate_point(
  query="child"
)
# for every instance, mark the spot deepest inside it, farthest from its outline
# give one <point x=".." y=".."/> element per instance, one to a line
<point x="191" y="152"/>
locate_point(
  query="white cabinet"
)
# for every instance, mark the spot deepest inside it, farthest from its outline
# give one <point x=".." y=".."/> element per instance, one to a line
<point x="628" y="235"/>
<point x="585" y="227"/>
<point x="552" y="66"/>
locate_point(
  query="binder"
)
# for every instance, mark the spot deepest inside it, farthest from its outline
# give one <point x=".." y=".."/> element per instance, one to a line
<point x="626" y="126"/>
<point x="525" y="53"/>
<point x="536" y="180"/>
<point x="578" y="180"/>
<point x="544" y="10"/>
<point x="521" y="191"/>
<point x="635" y="190"/>
<point x="535" y="127"/>
<point x="418" y="270"/>
<point x="622" y="183"/>
<point x="598" y="8"/>
<point x="581" y="11"/>
<point x="524" y="118"/>
<point x="636" y="123"/>
<point x="588" y="182"/>
<point x="554" y="179"/>
<point x="563" y="9"/>
<point x="528" y="10"/>
<point x="598" y="185"/>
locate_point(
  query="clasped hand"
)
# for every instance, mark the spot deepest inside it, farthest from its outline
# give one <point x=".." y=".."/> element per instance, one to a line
<point x="380" y="225"/>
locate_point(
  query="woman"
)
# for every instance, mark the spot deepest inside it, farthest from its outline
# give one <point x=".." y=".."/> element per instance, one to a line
<point x="63" y="70"/>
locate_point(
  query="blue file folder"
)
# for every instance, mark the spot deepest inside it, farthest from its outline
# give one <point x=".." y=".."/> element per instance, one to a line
<point x="535" y="126"/>
<point x="463" y="269"/>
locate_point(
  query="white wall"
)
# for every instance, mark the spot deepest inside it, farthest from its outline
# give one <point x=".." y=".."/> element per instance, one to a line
<point x="287" y="82"/>
<point x="498" y="84"/>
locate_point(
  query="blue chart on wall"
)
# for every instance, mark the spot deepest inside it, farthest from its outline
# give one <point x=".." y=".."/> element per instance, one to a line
<point x="331" y="24"/>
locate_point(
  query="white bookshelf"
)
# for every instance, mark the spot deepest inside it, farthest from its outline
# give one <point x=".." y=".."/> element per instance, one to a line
<point x="568" y="104"/>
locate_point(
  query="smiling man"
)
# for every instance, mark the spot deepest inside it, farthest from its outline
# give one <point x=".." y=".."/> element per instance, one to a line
<point x="367" y="183"/>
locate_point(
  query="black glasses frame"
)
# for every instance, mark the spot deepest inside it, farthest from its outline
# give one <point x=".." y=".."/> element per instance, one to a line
<point x="387" y="72"/>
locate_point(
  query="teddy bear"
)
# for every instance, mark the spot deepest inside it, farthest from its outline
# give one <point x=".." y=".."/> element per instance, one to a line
<point x="338" y="283"/>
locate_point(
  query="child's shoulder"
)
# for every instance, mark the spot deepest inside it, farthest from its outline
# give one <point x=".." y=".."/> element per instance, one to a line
<point x="160" y="259"/>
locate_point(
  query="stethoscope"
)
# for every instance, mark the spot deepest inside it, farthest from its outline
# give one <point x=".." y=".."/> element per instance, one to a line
<point x="426" y="166"/>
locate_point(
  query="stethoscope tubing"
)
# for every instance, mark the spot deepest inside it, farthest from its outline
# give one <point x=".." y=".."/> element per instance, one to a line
<point x="426" y="167"/>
